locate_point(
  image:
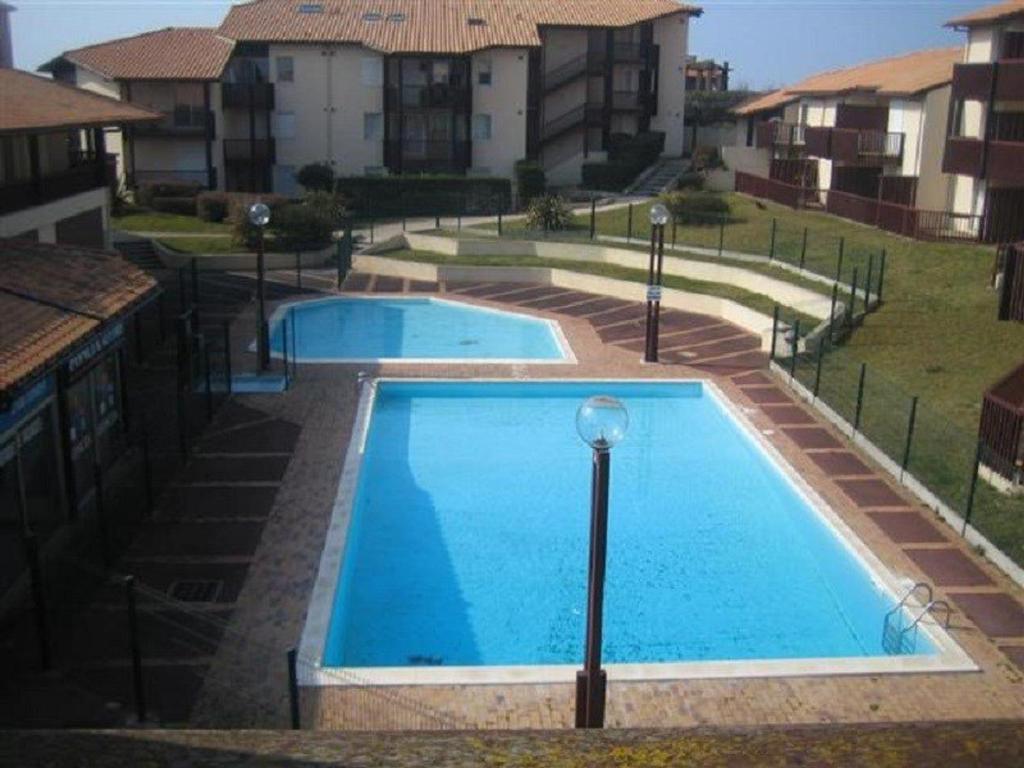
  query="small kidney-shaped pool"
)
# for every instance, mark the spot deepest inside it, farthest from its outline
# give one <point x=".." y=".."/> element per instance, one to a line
<point x="350" y="329"/>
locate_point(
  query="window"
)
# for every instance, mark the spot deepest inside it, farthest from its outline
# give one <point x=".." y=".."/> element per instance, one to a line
<point x="481" y="127"/>
<point x="311" y="8"/>
<point x="284" y="125"/>
<point x="476" y="21"/>
<point x="372" y="71"/>
<point x="483" y="72"/>
<point x="285" y="69"/>
<point x="373" y="126"/>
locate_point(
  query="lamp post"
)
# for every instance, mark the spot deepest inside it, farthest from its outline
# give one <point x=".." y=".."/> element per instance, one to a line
<point x="259" y="217"/>
<point x="338" y="236"/>
<point x="602" y="422"/>
<point x="659" y="217"/>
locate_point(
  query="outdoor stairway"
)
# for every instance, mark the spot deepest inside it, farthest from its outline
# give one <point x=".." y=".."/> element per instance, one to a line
<point x="140" y="252"/>
<point x="660" y="178"/>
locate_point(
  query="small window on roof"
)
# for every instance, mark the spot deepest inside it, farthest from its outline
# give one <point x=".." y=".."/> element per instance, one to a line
<point x="311" y="7"/>
<point x="476" y="21"/>
<point x="372" y="16"/>
<point x="396" y="18"/>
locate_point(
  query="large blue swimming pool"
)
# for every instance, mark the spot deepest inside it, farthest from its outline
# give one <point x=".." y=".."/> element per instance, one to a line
<point x="367" y="329"/>
<point x="468" y="540"/>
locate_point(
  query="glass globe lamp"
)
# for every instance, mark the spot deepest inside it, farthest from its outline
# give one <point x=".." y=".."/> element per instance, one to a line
<point x="602" y="421"/>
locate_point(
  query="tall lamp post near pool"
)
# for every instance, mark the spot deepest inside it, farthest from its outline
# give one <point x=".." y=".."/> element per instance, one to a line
<point x="659" y="218"/>
<point x="602" y="422"/>
<point x="259" y="217"/>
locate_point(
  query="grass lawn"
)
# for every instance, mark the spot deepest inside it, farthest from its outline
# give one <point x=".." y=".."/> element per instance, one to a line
<point x="202" y="244"/>
<point x="167" y="222"/>
<point x="753" y="300"/>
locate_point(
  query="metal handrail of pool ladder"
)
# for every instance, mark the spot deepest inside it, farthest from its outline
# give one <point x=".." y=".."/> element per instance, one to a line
<point x="892" y="643"/>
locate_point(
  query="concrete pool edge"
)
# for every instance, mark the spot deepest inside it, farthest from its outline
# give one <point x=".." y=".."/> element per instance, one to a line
<point x="568" y="356"/>
<point x="949" y="658"/>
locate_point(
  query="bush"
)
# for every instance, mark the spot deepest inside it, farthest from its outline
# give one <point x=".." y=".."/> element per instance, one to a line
<point x="691" y="180"/>
<point x="212" y="206"/>
<point x="530" y="181"/>
<point x="549" y="212"/>
<point x="706" y="158"/>
<point x="185" y="206"/>
<point x="149" y="191"/>
<point x="300" y="226"/>
<point x="244" y="234"/>
<point x="697" y="207"/>
<point x="318" y="177"/>
<point x="424" y="195"/>
<point x="607" y="177"/>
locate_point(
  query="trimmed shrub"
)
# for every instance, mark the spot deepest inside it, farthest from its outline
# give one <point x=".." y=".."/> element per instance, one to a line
<point x="244" y="234"/>
<point x="691" y="180"/>
<point x="424" y="195"/>
<point x="697" y="207"/>
<point x="549" y="212"/>
<point x="530" y="180"/>
<point x="299" y="226"/>
<point x="317" y="177"/>
<point x="149" y="191"/>
<point x="212" y="206"/>
<point x="186" y="206"/>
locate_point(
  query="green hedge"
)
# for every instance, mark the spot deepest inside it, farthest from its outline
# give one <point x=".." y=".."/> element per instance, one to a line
<point x="627" y="157"/>
<point x="379" y="196"/>
<point x="185" y="206"/>
<point x="530" y="181"/>
<point x="148" y="191"/>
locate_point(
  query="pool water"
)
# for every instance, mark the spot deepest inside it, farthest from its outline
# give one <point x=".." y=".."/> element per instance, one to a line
<point x="364" y="329"/>
<point x="468" y="543"/>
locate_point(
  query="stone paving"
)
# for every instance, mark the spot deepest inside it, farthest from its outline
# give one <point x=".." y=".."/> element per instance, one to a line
<point x="605" y="334"/>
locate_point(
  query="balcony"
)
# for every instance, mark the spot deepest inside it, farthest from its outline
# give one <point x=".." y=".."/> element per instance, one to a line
<point x="1005" y="162"/>
<point x="850" y="145"/>
<point x="88" y="173"/>
<point x="427" y="97"/>
<point x="182" y="122"/>
<point x="428" y="156"/>
<point x="247" y="96"/>
<point x="256" y="151"/>
<point x="997" y="159"/>
<point x="775" y="134"/>
<point x="974" y="82"/>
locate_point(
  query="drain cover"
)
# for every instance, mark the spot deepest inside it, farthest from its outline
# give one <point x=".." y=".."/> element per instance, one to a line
<point x="196" y="590"/>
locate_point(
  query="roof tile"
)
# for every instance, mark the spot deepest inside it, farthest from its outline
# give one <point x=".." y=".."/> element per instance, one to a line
<point x="989" y="14"/>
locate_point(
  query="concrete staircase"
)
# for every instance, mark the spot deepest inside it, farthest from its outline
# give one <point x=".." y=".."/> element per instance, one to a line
<point x="658" y="178"/>
<point x="139" y="252"/>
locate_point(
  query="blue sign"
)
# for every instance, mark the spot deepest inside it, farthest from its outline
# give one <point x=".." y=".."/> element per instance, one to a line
<point x="26" y="403"/>
<point x="97" y="345"/>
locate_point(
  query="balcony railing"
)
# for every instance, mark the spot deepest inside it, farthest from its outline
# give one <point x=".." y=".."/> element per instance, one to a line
<point x="247" y="95"/>
<point x="261" y="151"/>
<point x="591" y="62"/>
<point x="429" y="155"/>
<point x="888" y="146"/>
<point x="777" y="134"/>
<point x="627" y="101"/>
<point x="183" y="121"/>
<point x="585" y="114"/>
<point x="88" y="174"/>
<point x="974" y="82"/>
<point x="964" y="156"/>
<point x="427" y="97"/>
<point x="1005" y="161"/>
<point x="851" y="145"/>
<point x="200" y="177"/>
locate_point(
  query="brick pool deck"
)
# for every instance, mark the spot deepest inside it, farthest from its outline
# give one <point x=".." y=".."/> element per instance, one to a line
<point x="606" y="336"/>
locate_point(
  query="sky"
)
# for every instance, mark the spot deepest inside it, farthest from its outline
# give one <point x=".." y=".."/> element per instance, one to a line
<point x="768" y="43"/>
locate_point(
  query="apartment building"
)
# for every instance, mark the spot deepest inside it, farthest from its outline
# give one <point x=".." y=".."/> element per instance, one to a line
<point x="876" y="130"/>
<point x="396" y="86"/>
<point x="54" y="172"/>
<point x="985" y="146"/>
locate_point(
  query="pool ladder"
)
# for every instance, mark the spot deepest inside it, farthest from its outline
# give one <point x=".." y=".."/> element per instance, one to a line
<point x="901" y="638"/>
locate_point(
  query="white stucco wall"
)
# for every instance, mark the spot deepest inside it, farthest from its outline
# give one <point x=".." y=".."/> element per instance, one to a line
<point x="505" y="101"/>
<point x="44" y="218"/>
<point x="671" y="34"/>
<point x="113" y="139"/>
<point x="933" y="185"/>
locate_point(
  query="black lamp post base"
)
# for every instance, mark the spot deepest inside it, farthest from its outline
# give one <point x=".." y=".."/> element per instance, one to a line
<point x="590" y="698"/>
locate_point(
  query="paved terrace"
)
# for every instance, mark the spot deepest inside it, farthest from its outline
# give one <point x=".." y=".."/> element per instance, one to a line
<point x="246" y="685"/>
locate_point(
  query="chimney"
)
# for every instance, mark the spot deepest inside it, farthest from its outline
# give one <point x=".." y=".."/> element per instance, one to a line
<point x="6" y="49"/>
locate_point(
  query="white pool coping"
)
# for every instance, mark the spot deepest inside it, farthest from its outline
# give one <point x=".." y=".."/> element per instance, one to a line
<point x="949" y="656"/>
<point x="561" y="340"/>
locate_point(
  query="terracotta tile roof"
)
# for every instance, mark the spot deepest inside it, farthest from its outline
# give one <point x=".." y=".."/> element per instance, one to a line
<point x="52" y="297"/>
<point x="29" y="102"/>
<point x="175" y="53"/>
<point x="432" y="26"/>
<point x="989" y="14"/>
<point x="904" y="75"/>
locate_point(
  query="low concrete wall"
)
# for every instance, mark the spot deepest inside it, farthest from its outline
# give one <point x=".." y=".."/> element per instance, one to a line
<point x="240" y="261"/>
<point x="745" y="318"/>
<point x="805" y="300"/>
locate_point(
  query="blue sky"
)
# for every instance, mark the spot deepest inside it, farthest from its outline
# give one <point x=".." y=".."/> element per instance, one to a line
<point x="768" y="42"/>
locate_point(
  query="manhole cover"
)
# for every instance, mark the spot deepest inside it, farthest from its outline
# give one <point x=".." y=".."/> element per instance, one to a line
<point x="196" y="590"/>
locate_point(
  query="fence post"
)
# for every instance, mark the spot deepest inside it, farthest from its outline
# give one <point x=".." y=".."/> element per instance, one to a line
<point x="182" y="291"/>
<point x="775" y="332"/>
<point x="437" y="220"/>
<point x="817" y="372"/>
<point x="860" y="397"/>
<point x="295" y="345"/>
<point x="853" y="298"/>
<point x="794" y="348"/>
<point x="284" y="341"/>
<point x="137" y="326"/>
<point x="832" y="312"/>
<point x="403" y="222"/>
<point x="867" y="283"/>
<point x="972" y="488"/>
<point x="207" y="378"/>
<point x="499" y="223"/>
<point x="160" y="316"/>
<point x="881" y="278"/>
<point x="839" y="261"/>
<point x="593" y="217"/>
<point x="147" y="467"/>
<point x="35" y="572"/>
<point x="629" y="224"/>
<point x="771" y="247"/>
<point x="803" y="250"/>
<point x="101" y="515"/>
<point x="227" y="356"/>
<point x="136" y="649"/>
<point x="195" y="290"/>
<point x="298" y="270"/>
<point x="371" y="231"/>
<point x="910" y="434"/>
<point x="182" y="424"/>
<point x="293" y="689"/>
